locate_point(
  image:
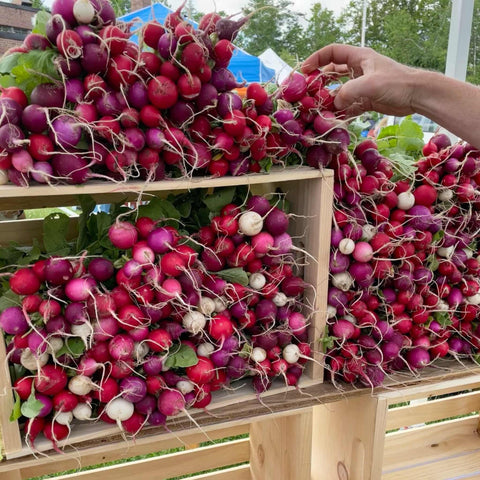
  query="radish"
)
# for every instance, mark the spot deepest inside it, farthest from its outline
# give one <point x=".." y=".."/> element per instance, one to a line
<point x="119" y="410"/>
<point x="171" y="402"/>
<point x="250" y="223"/>
<point x="194" y="322"/>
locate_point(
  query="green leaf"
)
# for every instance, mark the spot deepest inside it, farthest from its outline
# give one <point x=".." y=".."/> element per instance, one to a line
<point x="437" y="236"/>
<point x="443" y="318"/>
<point x="16" y="412"/>
<point x="31" y="255"/>
<point x="184" y="208"/>
<point x="8" y="62"/>
<point x="159" y="209"/>
<point x="55" y="227"/>
<point x="9" y="299"/>
<point x="41" y="19"/>
<point x="266" y="164"/>
<point x="73" y="346"/>
<point x="234" y="275"/>
<point x="31" y="407"/>
<point x="35" y="67"/>
<point x="183" y="357"/>
<point x="219" y="198"/>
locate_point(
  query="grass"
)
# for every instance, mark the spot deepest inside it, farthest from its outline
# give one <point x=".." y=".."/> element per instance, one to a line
<point x="44" y="212"/>
<point x="149" y="455"/>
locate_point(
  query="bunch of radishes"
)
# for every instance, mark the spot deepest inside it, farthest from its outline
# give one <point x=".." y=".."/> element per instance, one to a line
<point x="404" y="285"/>
<point x="157" y="331"/>
<point x="169" y="106"/>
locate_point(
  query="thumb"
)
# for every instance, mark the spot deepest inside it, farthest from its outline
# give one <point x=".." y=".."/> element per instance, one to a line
<point x="353" y="94"/>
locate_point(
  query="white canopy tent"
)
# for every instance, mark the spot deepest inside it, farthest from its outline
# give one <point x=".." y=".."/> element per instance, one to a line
<point x="270" y="59"/>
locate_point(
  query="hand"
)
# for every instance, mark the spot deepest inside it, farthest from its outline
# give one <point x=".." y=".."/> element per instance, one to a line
<point x="377" y="83"/>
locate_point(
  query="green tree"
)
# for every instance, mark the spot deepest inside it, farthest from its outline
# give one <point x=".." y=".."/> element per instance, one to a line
<point x="322" y="29"/>
<point x="269" y="27"/>
<point x="414" y="32"/>
<point x="121" y="7"/>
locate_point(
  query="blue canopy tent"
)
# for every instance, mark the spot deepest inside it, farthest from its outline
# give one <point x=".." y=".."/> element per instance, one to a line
<point x="244" y="66"/>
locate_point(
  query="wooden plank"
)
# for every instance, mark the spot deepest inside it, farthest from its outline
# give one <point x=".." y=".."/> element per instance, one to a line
<point x="241" y="472"/>
<point x="465" y="465"/>
<point x="312" y="203"/>
<point x="433" y="410"/>
<point x="172" y="465"/>
<point x="39" y="196"/>
<point x="281" y="449"/>
<point x="431" y="442"/>
<point x="423" y="389"/>
<point x="23" y="231"/>
<point x="348" y="439"/>
<point x="110" y="451"/>
<point x="10" y="432"/>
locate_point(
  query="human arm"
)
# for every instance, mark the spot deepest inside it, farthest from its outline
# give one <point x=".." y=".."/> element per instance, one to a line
<point x="380" y="84"/>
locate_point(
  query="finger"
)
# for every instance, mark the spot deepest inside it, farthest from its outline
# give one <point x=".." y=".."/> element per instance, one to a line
<point x="334" y="53"/>
<point x="342" y="70"/>
<point x="354" y="95"/>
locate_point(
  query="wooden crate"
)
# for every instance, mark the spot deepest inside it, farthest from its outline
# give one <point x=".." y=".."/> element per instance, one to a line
<point x="310" y="193"/>
<point x="425" y="431"/>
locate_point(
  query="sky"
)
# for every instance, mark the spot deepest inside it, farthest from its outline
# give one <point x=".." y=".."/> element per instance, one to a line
<point x="235" y="6"/>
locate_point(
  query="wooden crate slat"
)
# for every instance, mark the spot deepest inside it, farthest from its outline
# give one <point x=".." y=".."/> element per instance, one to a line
<point x="242" y="472"/>
<point x="10" y="438"/>
<point x="281" y="448"/>
<point x="424" y="389"/>
<point x="172" y="465"/>
<point x="110" y="451"/>
<point x="431" y="442"/>
<point x="23" y="231"/>
<point x="40" y="196"/>
<point x="348" y="439"/>
<point x="465" y="465"/>
<point x="433" y="410"/>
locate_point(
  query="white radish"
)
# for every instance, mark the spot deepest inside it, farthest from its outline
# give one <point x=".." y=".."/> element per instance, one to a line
<point x="83" y="11"/>
<point x="140" y="351"/>
<point x="406" y="200"/>
<point x="474" y="299"/>
<point x="205" y="349"/>
<point x="258" y="354"/>
<point x="445" y="194"/>
<point x="468" y="252"/>
<point x="331" y="312"/>
<point x="194" y="322"/>
<point x="80" y="385"/>
<point x="220" y="304"/>
<point x="185" y="386"/>
<point x="257" y="280"/>
<point x="446" y="252"/>
<point x="280" y="299"/>
<point x="250" y="223"/>
<point x="346" y="246"/>
<point x="82" y="330"/>
<point x="83" y="411"/>
<point x="54" y="344"/>
<point x="206" y="305"/>
<point x="119" y="409"/>
<point x="368" y="232"/>
<point x="32" y="362"/>
<point x="64" y="418"/>
<point x="291" y="353"/>
<point x="343" y="281"/>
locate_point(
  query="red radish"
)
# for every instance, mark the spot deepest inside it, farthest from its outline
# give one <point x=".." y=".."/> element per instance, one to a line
<point x="202" y="372"/>
<point x="171" y="402"/>
<point x="50" y="380"/>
